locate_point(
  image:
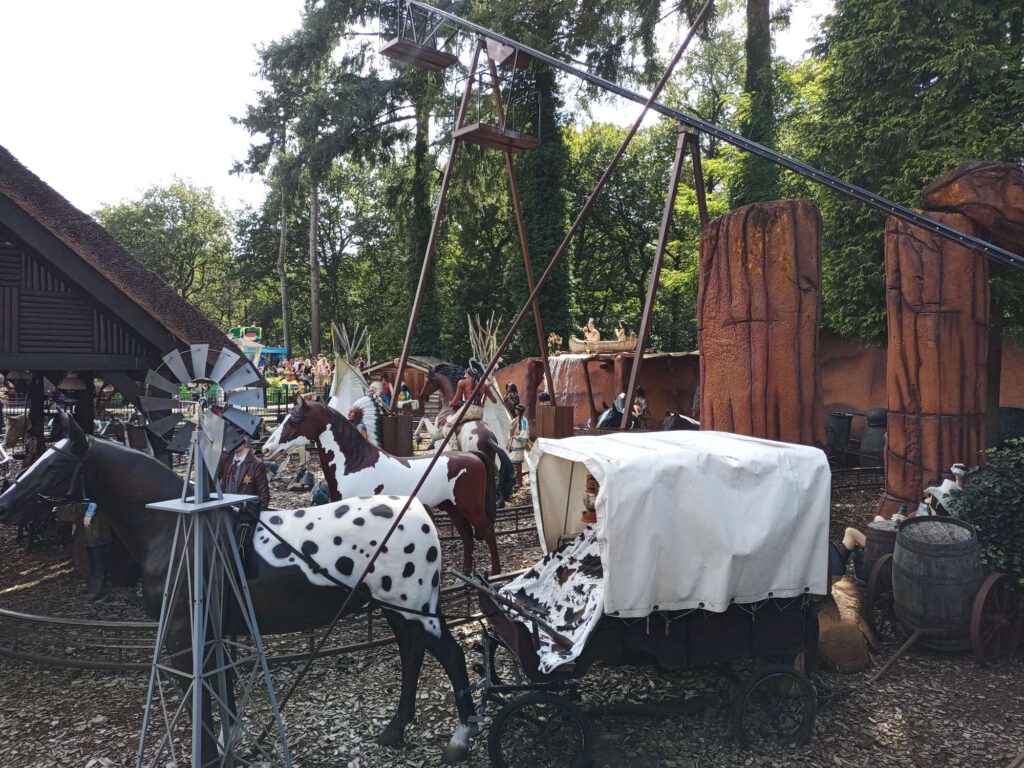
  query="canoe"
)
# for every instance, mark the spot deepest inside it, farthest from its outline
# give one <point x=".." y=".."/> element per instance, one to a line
<point x="598" y="347"/>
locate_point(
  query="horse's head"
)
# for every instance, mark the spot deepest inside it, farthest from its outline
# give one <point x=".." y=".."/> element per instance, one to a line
<point x="303" y="425"/>
<point x="55" y="477"/>
<point x="676" y="421"/>
<point x="430" y="385"/>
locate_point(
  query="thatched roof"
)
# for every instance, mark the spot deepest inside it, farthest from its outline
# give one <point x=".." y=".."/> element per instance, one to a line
<point x="98" y="248"/>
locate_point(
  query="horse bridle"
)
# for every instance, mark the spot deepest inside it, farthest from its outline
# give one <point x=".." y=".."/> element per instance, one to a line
<point x="75" y="476"/>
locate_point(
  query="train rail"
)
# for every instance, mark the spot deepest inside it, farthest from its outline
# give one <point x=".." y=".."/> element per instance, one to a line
<point x="122" y="646"/>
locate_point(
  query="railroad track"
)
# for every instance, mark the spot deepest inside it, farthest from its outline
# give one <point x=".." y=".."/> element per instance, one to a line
<point x="121" y="646"/>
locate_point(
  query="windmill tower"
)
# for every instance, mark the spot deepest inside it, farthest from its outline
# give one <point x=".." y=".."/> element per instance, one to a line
<point x="201" y="410"/>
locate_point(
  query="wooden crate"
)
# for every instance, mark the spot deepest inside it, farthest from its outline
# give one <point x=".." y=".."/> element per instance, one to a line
<point x="396" y="434"/>
<point x="554" y="421"/>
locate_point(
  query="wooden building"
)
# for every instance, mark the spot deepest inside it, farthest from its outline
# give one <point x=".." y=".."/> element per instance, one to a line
<point x="73" y="299"/>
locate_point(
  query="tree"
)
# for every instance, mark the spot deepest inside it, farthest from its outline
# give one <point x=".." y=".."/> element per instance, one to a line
<point x="183" y="234"/>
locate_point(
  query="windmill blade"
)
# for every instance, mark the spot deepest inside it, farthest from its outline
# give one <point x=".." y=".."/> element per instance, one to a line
<point x="157" y="404"/>
<point x="200" y="357"/>
<point x="245" y="421"/>
<point x="154" y="379"/>
<point x="163" y="427"/>
<point x="242" y="377"/>
<point x="225" y="360"/>
<point x="211" y="441"/>
<point x="177" y="366"/>
<point x="180" y="442"/>
<point x="247" y="398"/>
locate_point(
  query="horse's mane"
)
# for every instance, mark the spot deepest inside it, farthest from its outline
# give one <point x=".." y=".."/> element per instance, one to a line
<point x="451" y="372"/>
<point x="352" y="442"/>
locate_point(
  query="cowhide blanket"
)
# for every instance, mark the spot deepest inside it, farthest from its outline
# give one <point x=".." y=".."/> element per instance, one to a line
<point x="566" y="588"/>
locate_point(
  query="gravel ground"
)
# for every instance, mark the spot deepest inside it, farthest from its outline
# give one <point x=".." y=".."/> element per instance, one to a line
<point x="931" y="710"/>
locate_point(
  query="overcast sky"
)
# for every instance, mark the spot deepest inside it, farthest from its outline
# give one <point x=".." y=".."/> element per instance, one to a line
<point x="104" y="98"/>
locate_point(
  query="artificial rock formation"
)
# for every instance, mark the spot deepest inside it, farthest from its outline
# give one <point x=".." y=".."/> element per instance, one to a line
<point x="990" y="194"/>
<point x="937" y="298"/>
<point x="758" y="312"/>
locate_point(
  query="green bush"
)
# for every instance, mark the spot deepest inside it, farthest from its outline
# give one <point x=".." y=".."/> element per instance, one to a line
<point x="992" y="500"/>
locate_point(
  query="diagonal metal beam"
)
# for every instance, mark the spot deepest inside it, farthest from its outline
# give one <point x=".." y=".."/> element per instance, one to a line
<point x="846" y="189"/>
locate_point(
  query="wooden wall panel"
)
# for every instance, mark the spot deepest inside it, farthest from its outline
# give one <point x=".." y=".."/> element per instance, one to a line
<point x="111" y="338"/>
<point x="10" y="266"/>
<point x="38" y="278"/>
<point x="8" y="319"/>
<point x="54" y="323"/>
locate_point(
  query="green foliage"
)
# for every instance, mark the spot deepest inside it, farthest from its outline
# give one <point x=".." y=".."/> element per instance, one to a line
<point x="991" y="501"/>
<point x="903" y="91"/>
<point x="183" y="234"/>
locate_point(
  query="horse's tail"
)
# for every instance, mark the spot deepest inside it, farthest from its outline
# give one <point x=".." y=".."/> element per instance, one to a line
<point x="490" y="494"/>
<point x="507" y="478"/>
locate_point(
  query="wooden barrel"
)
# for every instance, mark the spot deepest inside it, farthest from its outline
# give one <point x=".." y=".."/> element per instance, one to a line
<point x="879" y="540"/>
<point x="936" y="573"/>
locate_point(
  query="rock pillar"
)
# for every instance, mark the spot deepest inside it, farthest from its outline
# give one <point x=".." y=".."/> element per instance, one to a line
<point x="937" y="300"/>
<point x="758" y="313"/>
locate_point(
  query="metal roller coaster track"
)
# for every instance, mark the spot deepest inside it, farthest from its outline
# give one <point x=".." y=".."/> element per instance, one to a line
<point x="993" y="252"/>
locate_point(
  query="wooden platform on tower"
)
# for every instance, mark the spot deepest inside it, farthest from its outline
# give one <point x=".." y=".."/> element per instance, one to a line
<point x="493" y="137"/>
<point x="407" y="51"/>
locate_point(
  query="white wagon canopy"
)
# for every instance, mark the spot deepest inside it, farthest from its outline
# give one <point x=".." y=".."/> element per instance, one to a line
<point x="690" y="519"/>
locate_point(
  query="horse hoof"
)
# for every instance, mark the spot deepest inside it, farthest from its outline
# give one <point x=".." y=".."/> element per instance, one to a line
<point x="454" y="754"/>
<point x="392" y="735"/>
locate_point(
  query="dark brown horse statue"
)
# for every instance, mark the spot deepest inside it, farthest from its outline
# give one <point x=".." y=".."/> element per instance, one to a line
<point x="461" y="484"/>
<point x="286" y="594"/>
<point x="472" y="435"/>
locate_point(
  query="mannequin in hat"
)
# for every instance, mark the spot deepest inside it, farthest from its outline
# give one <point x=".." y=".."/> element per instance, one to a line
<point x="241" y="471"/>
<point x="590" y="333"/>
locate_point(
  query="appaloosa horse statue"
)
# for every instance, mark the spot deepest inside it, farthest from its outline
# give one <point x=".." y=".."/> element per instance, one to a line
<point x="461" y="484"/>
<point x="286" y="594"/>
<point x="472" y="435"/>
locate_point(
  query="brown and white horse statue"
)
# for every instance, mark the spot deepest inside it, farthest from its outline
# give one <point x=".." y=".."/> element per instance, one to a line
<point x="475" y="435"/>
<point x="461" y="483"/>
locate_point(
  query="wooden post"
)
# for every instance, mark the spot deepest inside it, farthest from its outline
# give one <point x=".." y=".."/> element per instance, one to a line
<point x="85" y="404"/>
<point x="937" y="296"/>
<point x="35" y="405"/>
<point x="758" y="312"/>
<point x="652" y="285"/>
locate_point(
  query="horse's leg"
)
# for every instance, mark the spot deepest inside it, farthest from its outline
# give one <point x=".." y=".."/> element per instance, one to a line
<point x="449" y="654"/>
<point x="492" y="545"/>
<point x="409" y="635"/>
<point x="465" y="531"/>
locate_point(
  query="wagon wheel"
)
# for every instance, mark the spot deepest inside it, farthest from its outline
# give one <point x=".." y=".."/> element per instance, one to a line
<point x="540" y="729"/>
<point x="996" y="621"/>
<point x="776" y="704"/>
<point x="878" y="602"/>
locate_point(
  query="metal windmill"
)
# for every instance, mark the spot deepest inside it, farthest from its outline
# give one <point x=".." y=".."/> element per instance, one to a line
<point x="200" y="409"/>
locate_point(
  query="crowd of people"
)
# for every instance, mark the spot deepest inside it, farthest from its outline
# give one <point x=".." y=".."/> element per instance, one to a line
<point x="302" y="374"/>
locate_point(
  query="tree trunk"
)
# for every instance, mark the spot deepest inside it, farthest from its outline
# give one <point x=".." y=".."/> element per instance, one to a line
<point x="758" y="313"/>
<point x="282" y="276"/>
<point x="314" y="271"/>
<point x="426" y="338"/>
<point x="937" y="295"/>
<point x="758" y="179"/>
